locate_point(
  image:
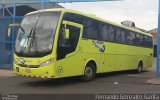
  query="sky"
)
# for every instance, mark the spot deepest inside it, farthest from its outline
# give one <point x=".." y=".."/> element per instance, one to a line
<point x="143" y="12"/>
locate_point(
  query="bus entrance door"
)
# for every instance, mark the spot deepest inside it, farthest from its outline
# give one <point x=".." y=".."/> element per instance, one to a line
<point x="69" y="56"/>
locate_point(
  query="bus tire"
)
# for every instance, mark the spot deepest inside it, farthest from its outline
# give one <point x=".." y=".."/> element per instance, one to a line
<point x="140" y="67"/>
<point x="89" y="72"/>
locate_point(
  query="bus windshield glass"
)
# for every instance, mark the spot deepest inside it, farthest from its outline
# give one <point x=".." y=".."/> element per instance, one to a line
<point x="35" y="38"/>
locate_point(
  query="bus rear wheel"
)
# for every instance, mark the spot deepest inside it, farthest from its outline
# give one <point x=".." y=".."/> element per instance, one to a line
<point x="89" y="72"/>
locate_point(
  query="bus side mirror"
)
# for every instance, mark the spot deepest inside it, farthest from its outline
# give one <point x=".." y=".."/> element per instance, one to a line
<point x="66" y="34"/>
<point x="9" y="31"/>
<point x="10" y="28"/>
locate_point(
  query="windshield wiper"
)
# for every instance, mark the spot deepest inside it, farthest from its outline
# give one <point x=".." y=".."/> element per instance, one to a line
<point x="32" y="34"/>
<point x="22" y="29"/>
<point x="28" y="38"/>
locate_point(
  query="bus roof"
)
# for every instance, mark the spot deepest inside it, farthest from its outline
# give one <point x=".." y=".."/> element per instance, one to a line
<point x="90" y="16"/>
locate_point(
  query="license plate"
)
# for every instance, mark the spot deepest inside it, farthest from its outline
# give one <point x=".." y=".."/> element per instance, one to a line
<point x="28" y="70"/>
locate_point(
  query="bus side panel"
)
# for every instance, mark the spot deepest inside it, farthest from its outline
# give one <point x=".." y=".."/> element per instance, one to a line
<point x="117" y="54"/>
<point x="124" y="57"/>
<point x="91" y="49"/>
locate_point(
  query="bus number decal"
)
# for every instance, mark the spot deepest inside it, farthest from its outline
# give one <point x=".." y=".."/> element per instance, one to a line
<point x="59" y="70"/>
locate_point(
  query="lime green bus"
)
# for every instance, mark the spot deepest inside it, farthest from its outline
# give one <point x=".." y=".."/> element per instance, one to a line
<point x="58" y="43"/>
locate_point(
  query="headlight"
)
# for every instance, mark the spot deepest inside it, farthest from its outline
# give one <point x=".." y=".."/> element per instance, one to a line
<point x="48" y="62"/>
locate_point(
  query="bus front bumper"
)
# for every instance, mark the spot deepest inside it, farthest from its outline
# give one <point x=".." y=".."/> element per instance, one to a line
<point x="41" y="72"/>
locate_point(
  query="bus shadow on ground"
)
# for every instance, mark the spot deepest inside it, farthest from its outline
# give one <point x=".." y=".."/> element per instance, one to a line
<point x="119" y="73"/>
<point x="53" y="82"/>
<point x="121" y="77"/>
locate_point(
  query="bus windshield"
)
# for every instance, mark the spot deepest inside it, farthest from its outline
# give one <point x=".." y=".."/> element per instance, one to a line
<point x="35" y="38"/>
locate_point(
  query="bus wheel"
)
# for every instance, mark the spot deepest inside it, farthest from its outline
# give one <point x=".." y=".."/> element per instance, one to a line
<point x="140" y="67"/>
<point x="89" y="72"/>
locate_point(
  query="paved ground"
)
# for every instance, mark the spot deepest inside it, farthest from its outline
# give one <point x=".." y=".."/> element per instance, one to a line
<point x="118" y="82"/>
<point x="4" y="73"/>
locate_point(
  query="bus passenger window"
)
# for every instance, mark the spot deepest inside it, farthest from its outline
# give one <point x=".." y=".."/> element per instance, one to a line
<point x="141" y="40"/>
<point x="111" y="33"/>
<point x="145" y="41"/>
<point x="118" y="35"/>
<point x="137" y="39"/>
<point x="128" y="38"/>
<point x="150" y="42"/>
<point x="123" y="37"/>
<point x="104" y="32"/>
<point x="132" y="38"/>
<point x="91" y="29"/>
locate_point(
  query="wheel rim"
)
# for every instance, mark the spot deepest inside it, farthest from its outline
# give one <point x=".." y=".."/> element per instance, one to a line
<point x="88" y="71"/>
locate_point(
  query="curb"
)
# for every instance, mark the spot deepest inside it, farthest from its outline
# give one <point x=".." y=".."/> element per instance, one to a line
<point x="155" y="81"/>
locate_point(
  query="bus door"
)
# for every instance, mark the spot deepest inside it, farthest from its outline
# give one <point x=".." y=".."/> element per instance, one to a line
<point x="69" y="52"/>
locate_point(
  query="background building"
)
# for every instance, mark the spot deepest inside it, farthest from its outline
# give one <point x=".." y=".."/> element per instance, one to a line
<point x="132" y="25"/>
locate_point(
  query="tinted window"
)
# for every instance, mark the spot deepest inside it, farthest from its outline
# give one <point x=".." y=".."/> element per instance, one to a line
<point x="91" y="26"/>
<point x="73" y="18"/>
<point x="107" y="32"/>
<point x="145" y="42"/>
<point x="128" y="38"/>
<point x="111" y="31"/>
<point x="123" y="36"/>
<point x="104" y="32"/>
<point x="91" y="29"/>
<point x="150" y="42"/>
<point x="120" y="35"/>
<point x="133" y="36"/>
<point x="137" y="39"/>
<point x="141" y="40"/>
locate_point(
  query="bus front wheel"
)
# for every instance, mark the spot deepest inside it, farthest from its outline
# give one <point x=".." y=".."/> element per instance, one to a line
<point x="89" y="72"/>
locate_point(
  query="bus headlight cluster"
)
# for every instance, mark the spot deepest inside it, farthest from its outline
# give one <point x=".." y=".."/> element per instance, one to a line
<point x="48" y="62"/>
